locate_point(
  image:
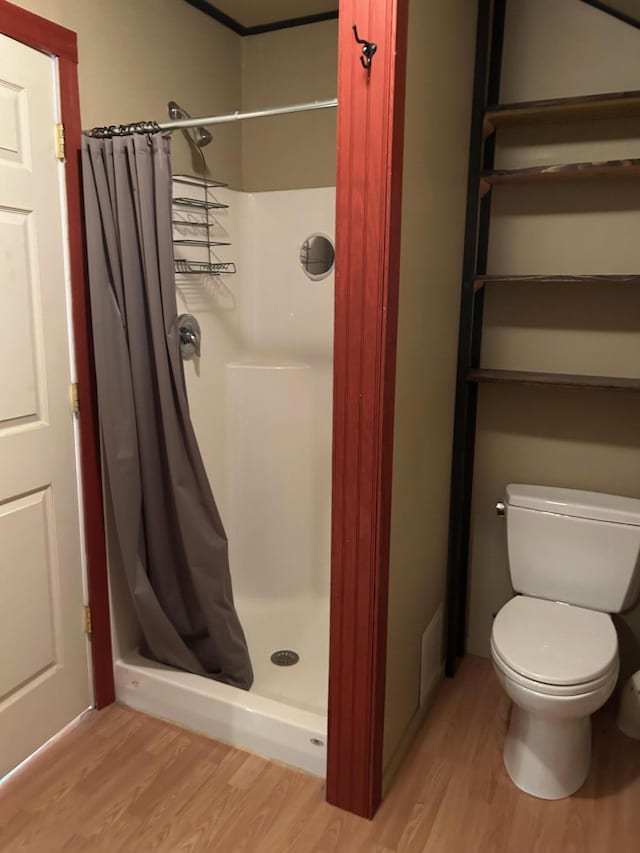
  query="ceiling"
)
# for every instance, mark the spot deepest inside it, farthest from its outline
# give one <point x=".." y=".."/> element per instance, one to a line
<point x="257" y="13"/>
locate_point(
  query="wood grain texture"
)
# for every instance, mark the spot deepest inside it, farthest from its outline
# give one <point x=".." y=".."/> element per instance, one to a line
<point x="629" y="168"/>
<point x="611" y="105"/>
<point x="481" y="280"/>
<point x="368" y="207"/>
<point x="122" y="782"/>
<point x="567" y="380"/>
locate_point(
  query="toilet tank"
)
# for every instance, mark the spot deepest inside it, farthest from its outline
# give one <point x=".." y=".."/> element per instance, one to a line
<point x="581" y="548"/>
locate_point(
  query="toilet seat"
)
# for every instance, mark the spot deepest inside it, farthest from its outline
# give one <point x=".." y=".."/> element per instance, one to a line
<point x="554" y="648"/>
<point x="568" y="690"/>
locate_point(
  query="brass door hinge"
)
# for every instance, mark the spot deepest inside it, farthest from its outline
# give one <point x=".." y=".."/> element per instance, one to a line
<point x="87" y="621"/>
<point x="75" y="398"/>
<point x="60" y="149"/>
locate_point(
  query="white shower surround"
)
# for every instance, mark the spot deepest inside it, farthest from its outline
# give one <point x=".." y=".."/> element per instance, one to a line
<point x="261" y="404"/>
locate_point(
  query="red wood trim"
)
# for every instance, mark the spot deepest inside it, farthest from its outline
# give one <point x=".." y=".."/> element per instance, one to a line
<point x="43" y="35"/>
<point x="37" y="32"/>
<point x="369" y="192"/>
<point x="97" y="578"/>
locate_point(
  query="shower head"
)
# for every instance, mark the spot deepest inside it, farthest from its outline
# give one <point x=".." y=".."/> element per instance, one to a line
<point x="201" y="135"/>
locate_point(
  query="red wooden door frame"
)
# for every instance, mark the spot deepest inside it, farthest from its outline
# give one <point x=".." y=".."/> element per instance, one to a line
<point x="57" y="41"/>
<point x="369" y="195"/>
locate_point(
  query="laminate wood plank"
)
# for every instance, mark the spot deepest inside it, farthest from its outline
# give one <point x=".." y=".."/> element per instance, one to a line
<point x="611" y="105"/>
<point x="284" y="834"/>
<point x="163" y="789"/>
<point x="567" y="380"/>
<point x="481" y="280"/>
<point x="254" y="813"/>
<point x="618" y="169"/>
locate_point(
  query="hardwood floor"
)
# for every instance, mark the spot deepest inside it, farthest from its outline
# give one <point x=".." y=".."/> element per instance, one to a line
<point x="122" y="781"/>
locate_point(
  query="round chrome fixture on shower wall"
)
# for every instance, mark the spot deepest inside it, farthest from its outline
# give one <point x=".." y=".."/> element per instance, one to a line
<point x="317" y="256"/>
<point x="285" y="657"/>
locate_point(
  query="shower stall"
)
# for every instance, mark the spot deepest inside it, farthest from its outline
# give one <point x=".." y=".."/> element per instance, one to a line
<point x="253" y="278"/>
<point x="266" y="403"/>
<point x="260" y="398"/>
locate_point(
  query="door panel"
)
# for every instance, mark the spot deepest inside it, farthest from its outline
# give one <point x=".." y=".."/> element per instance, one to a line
<point x="17" y="367"/>
<point x="44" y="672"/>
<point x="27" y="612"/>
<point x="12" y="123"/>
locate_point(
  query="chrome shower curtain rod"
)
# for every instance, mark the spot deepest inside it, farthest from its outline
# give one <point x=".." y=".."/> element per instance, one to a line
<point x="146" y="127"/>
<point x="182" y="124"/>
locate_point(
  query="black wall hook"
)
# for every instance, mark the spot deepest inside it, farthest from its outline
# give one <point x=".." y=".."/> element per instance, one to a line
<point x="368" y="49"/>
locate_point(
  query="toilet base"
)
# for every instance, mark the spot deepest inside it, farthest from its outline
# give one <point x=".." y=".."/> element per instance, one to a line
<point x="547" y="757"/>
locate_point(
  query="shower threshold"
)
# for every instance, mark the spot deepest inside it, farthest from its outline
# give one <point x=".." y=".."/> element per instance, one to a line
<point x="240" y="718"/>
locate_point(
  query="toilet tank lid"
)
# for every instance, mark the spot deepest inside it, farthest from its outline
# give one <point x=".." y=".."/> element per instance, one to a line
<point x="579" y="504"/>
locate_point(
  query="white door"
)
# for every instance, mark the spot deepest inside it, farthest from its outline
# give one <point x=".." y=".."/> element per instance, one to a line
<point x="44" y="674"/>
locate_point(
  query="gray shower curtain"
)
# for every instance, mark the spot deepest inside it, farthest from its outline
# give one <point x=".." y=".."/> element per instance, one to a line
<point x="170" y="537"/>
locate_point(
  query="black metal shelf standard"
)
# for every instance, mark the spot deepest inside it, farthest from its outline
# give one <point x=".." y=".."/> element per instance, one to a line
<point x="486" y="90"/>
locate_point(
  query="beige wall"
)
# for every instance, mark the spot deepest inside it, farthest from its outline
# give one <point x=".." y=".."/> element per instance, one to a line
<point x="136" y="55"/>
<point x="439" y="82"/>
<point x="580" y="439"/>
<point x="287" y="67"/>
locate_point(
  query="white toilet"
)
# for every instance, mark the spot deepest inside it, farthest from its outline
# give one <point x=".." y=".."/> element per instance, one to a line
<point x="574" y="558"/>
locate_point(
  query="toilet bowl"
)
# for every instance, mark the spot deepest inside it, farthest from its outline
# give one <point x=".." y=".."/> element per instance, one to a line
<point x="558" y="664"/>
<point x="574" y="558"/>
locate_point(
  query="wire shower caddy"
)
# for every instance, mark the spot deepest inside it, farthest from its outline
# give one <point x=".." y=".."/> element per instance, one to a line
<point x="202" y="226"/>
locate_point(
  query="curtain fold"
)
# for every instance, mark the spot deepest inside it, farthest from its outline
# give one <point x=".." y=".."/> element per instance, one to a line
<point x="167" y="528"/>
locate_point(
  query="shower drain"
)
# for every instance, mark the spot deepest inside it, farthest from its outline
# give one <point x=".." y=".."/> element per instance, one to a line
<point x="285" y="657"/>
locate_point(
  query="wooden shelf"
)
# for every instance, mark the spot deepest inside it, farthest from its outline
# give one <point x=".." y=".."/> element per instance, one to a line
<point x="566" y="380"/>
<point x="562" y="172"/>
<point x="608" y="106"/>
<point x="480" y="280"/>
